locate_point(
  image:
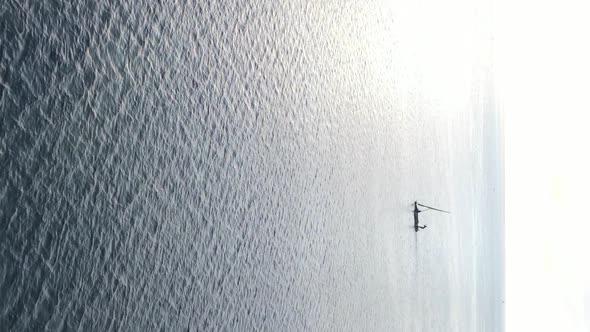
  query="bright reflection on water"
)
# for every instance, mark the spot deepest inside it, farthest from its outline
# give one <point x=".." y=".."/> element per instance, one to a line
<point x="249" y="166"/>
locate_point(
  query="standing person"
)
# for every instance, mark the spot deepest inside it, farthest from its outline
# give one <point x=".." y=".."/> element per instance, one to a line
<point x="416" y="211"/>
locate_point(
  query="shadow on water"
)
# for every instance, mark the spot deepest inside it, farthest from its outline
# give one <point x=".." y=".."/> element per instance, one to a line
<point x="415" y="244"/>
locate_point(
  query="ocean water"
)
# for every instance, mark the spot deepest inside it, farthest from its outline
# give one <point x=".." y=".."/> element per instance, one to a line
<point x="238" y="165"/>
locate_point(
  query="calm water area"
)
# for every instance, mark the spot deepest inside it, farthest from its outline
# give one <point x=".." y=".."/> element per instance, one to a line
<point x="249" y="166"/>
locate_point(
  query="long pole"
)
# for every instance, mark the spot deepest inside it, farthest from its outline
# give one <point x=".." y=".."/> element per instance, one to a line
<point x="431" y="208"/>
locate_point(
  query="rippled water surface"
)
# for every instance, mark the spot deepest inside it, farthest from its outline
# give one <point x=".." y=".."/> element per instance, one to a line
<point x="248" y="165"/>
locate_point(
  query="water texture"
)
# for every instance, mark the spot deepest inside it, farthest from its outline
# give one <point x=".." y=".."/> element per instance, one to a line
<point x="237" y="165"/>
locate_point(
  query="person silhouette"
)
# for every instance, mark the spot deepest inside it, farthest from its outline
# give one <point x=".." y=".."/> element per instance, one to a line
<point x="416" y="211"/>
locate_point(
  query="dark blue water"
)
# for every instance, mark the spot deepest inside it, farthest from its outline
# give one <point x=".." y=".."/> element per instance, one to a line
<point x="208" y="165"/>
